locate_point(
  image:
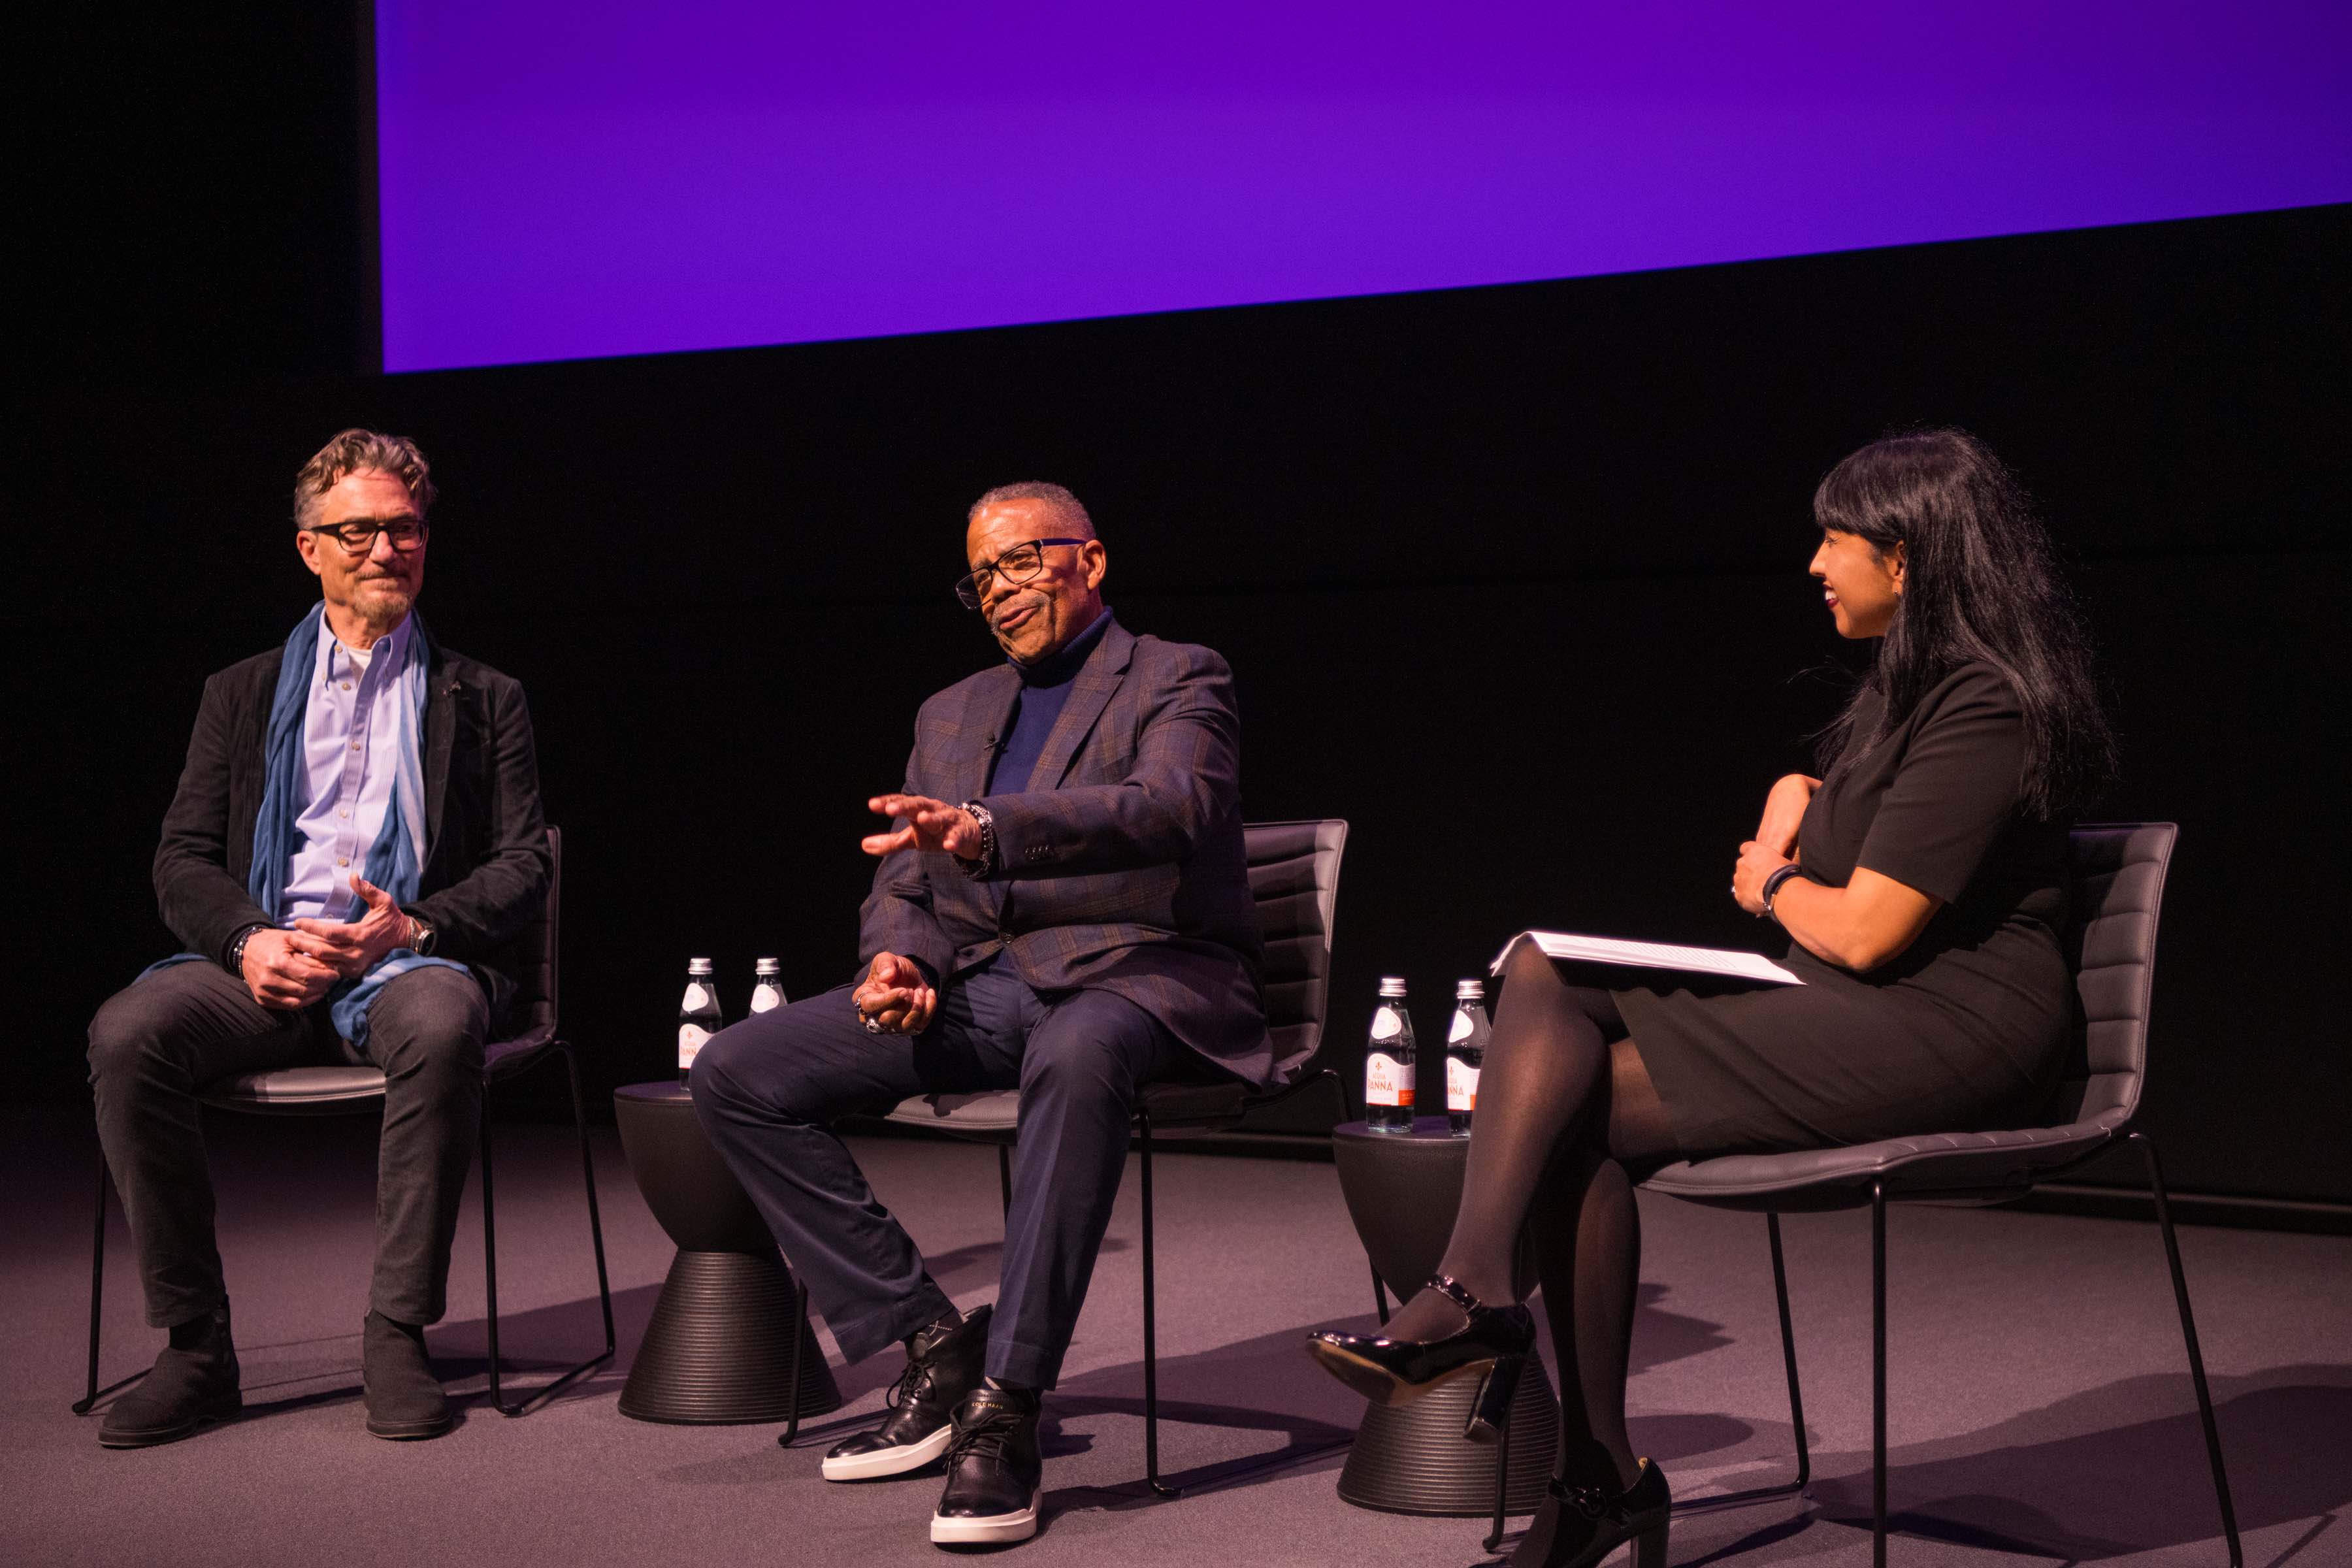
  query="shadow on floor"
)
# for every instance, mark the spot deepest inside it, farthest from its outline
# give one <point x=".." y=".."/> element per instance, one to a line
<point x="2111" y="1471"/>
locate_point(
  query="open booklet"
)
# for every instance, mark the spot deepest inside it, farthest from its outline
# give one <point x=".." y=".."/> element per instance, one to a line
<point x="1652" y="955"/>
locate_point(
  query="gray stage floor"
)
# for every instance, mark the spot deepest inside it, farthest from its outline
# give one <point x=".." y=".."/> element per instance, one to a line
<point x="2042" y="1410"/>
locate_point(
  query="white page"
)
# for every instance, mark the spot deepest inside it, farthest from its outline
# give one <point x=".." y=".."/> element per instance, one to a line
<point x="1651" y="955"/>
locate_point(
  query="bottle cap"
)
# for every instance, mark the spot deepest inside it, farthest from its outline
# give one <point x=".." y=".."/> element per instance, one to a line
<point x="1469" y="991"/>
<point x="1392" y="985"/>
<point x="765" y="966"/>
<point x="698" y="966"/>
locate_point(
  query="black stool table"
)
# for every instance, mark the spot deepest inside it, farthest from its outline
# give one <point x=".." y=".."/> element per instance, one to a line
<point x="720" y="1347"/>
<point x="1402" y="1189"/>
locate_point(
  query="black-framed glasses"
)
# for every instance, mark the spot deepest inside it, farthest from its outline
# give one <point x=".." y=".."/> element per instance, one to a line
<point x="1018" y="564"/>
<point x="359" y="538"/>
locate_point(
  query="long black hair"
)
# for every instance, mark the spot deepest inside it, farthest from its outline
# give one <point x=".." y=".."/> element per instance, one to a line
<point x="1981" y="582"/>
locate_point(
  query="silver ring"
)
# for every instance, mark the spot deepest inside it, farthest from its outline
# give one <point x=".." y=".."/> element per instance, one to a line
<point x="872" y="1025"/>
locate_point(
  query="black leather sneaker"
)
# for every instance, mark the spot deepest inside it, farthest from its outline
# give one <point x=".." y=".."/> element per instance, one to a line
<point x="944" y="1365"/>
<point x="993" y="1472"/>
<point x="187" y="1388"/>
<point x="405" y="1401"/>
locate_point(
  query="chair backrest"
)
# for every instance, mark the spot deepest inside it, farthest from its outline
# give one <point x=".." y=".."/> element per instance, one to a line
<point x="534" y="952"/>
<point x="1293" y="873"/>
<point x="2110" y="945"/>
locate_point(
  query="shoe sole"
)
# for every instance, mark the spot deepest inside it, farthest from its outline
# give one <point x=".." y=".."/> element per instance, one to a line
<point x="1375" y="1382"/>
<point x="895" y="1461"/>
<point x="995" y="1529"/>
<point x="409" y="1431"/>
<point x="155" y="1436"/>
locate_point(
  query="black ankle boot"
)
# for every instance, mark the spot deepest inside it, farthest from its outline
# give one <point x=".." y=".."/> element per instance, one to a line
<point x="194" y="1381"/>
<point x="405" y="1401"/>
<point x="943" y="1365"/>
<point x="1578" y="1526"/>
<point x="1493" y="1345"/>
<point x="994" y="1470"/>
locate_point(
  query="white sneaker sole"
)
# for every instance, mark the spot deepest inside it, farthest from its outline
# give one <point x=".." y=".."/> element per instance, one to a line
<point x="890" y="1461"/>
<point x="997" y="1530"/>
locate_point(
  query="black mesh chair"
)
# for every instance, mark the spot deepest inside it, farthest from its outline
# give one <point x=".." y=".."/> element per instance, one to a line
<point x="359" y="1091"/>
<point x="2111" y="950"/>
<point x="1294" y="872"/>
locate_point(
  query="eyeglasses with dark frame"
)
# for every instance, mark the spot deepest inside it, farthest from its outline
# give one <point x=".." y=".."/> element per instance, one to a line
<point x="359" y="538"/>
<point x="1018" y="564"/>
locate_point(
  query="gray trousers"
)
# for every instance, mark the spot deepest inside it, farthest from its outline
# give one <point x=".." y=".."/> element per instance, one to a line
<point x="157" y="1042"/>
<point x="766" y="1089"/>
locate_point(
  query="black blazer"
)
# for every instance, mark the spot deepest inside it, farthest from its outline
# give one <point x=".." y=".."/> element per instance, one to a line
<point x="485" y="860"/>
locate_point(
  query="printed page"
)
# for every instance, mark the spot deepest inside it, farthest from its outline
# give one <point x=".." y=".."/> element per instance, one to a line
<point x="1652" y="955"/>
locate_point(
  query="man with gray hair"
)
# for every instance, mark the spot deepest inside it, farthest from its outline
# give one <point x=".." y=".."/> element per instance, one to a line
<point x="1063" y="907"/>
<point x="355" y="841"/>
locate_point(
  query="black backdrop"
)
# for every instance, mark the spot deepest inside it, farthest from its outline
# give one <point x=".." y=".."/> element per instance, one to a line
<point x="1511" y="578"/>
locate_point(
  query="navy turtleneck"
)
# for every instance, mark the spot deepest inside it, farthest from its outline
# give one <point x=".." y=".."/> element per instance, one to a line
<point x="1045" y="687"/>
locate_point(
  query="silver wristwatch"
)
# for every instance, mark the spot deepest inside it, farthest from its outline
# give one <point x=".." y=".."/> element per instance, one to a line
<point x="421" y="937"/>
<point x="978" y="870"/>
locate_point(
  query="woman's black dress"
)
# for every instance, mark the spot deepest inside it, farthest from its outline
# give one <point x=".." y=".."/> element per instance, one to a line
<point x="1966" y="1029"/>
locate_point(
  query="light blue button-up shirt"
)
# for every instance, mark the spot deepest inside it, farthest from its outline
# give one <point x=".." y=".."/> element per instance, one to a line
<point x="350" y="753"/>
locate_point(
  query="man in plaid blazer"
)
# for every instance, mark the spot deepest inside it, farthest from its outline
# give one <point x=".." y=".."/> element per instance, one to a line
<point x="1062" y="906"/>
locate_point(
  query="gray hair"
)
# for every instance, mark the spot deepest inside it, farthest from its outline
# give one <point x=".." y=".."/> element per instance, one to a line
<point x="358" y="451"/>
<point x="1073" y="511"/>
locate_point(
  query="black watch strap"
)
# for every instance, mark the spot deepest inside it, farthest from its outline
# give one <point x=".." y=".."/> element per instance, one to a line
<point x="1772" y="884"/>
<point x="235" y="951"/>
<point x="979" y="866"/>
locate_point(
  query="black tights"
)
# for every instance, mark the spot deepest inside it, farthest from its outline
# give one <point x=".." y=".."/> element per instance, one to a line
<point x="1564" y="1104"/>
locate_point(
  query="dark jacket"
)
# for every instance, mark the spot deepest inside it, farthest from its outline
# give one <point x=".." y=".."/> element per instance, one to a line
<point x="485" y="860"/>
<point x="1120" y="870"/>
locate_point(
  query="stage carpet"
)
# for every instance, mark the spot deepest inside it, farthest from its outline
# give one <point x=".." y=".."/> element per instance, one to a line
<point x="2041" y="1404"/>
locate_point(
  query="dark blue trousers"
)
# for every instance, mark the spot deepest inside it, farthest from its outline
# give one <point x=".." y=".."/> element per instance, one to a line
<point x="766" y="1090"/>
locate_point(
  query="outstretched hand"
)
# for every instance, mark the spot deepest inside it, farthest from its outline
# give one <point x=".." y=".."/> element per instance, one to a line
<point x="352" y="948"/>
<point x="932" y="824"/>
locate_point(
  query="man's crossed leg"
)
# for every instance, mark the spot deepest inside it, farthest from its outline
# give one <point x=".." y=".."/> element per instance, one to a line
<point x="767" y="1089"/>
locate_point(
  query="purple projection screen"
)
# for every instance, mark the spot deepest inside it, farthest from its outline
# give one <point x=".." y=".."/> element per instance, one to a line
<point x="562" y="181"/>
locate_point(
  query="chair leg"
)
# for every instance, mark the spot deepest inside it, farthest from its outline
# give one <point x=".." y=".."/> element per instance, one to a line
<point x="96" y="1285"/>
<point x="1150" y="1318"/>
<point x="588" y="1184"/>
<point x="1380" y="1299"/>
<point x="1796" y="1399"/>
<point x="490" y="1256"/>
<point x="793" y="1384"/>
<point x="1789" y="1358"/>
<point x="1004" y="1176"/>
<point x="2189" y="1337"/>
<point x="1275" y="1461"/>
<point x="546" y="1392"/>
<point x="1878" y="1375"/>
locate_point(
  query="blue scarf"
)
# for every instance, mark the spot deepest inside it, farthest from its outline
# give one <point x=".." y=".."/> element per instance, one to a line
<point x="394" y="862"/>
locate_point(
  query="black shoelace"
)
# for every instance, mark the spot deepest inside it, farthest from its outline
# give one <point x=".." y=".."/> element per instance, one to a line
<point x="986" y="1436"/>
<point x="910" y="1382"/>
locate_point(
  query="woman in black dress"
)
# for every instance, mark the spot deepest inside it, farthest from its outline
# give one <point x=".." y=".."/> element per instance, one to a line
<point x="1922" y="883"/>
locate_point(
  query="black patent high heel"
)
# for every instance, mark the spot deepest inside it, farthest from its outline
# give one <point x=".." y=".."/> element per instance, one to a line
<point x="1494" y="1345"/>
<point x="1579" y="1526"/>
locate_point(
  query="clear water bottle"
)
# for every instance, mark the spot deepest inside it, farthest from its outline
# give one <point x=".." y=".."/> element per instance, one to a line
<point x="767" y="991"/>
<point x="697" y="1014"/>
<point x="1388" y="1063"/>
<point x="1465" y="1054"/>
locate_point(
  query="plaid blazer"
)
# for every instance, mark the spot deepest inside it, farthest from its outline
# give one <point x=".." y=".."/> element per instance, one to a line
<point x="1121" y="869"/>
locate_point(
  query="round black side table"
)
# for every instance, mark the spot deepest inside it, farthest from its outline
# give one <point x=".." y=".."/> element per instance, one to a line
<point x="720" y="1346"/>
<point x="1402" y="1189"/>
